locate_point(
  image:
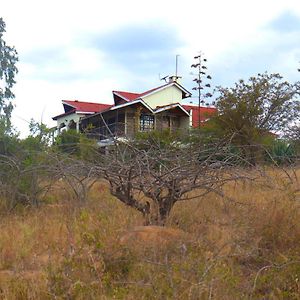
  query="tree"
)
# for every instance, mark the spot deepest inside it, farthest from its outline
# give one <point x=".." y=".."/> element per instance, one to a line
<point x="40" y="134"/>
<point x="252" y="110"/>
<point x="68" y="142"/>
<point x="152" y="177"/>
<point x="293" y="133"/>
<point x="293" y="136"/>
<point x="8" y="70"/>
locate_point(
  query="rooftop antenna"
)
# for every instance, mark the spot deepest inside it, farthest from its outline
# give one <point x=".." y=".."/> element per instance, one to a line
<point x="164" y="78"/>
<point x="176" y="71"/>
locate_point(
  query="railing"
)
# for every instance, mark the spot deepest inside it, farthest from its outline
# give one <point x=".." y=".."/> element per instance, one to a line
<point x="107" y="131"/>
<point x="117" y="129"/>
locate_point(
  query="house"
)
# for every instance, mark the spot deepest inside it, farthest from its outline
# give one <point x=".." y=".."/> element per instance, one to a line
<point x="76" y="110"/>
<point x="156" y="109"/>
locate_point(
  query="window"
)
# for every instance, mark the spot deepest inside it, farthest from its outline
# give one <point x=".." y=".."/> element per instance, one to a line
<point x="146" y="122"/>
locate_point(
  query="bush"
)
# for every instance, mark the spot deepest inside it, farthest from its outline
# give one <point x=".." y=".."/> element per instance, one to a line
<point x="281" y="152"/>
<point x="68" y="142"/>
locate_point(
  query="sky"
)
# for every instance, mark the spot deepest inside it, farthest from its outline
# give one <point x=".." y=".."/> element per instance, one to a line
<point x="85" y="49"/>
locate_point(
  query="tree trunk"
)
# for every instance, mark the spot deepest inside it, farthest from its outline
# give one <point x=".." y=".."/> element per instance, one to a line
<point x="160" y="214"/>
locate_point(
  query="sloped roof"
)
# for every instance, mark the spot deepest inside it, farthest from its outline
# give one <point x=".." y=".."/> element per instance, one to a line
<point x="73" y="106"/>
<point x="205" y="113"/>
<point x="64" y="114"/>
<point x="86" y="106"/>
<point x="129" y="96"/>
<point x="126" y="104"/>
<point x="159" y="109"/>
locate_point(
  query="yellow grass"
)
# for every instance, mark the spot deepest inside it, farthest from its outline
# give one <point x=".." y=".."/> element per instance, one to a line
<point x="244" y="246"/>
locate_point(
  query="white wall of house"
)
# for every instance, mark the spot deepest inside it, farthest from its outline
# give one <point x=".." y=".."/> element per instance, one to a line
<point x="169" y="95"/>
<point x="67" y="119"/>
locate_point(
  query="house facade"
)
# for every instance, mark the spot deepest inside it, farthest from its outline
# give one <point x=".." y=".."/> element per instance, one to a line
<point x="160" y="108"/>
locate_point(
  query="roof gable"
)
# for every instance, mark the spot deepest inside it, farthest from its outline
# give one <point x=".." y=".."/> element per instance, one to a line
<point x="80" y="107"/>
<point x="185" y="93"/>
<point x="160" y="109"/>
<point x="128" y="96"/>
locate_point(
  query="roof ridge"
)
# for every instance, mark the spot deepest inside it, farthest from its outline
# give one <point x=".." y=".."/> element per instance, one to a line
<point x="119" y="91"/>
<point x="79" y="101"/>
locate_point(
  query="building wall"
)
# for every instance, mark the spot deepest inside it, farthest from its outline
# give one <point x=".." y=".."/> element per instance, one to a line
<point x="132" y="121"/>
<point x="67" y="119"/>
<point x="166" y="96"/>
<point x="170" y="121"/>
<point x="185" y="122"/>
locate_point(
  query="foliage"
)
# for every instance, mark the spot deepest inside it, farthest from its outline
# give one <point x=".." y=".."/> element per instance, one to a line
<point x="8" y="70"/>
<point x="76" y="144"/>
<point x="293" y="136"/>
<point x="244" y="249"/>
<point x="40" y="132"/>
<point x="68" y="142"/>
<point x="251" y="110"/>
<point x="162" y="137"/>
<point x="9" y="143"/>
<point x="281" y="152"/>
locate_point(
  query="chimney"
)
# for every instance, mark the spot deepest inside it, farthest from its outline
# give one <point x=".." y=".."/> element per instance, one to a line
<point x="175" y="78"/>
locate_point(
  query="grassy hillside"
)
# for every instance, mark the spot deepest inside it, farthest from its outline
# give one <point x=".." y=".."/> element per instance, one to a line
<point x="244" y="246"/>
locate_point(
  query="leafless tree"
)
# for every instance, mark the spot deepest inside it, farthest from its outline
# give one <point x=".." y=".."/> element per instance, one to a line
<point x="27" y="182"/>
<point x="74" y="174"/>
<point x="152" y="177"/>
<point x="22" y="181"/>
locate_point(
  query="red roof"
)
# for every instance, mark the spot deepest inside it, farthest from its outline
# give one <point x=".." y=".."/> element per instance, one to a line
<point x="205" y="113"/>
<point x="73" y="106"/>
<point x="127" y="95"/>
<point x="87" y="106"/>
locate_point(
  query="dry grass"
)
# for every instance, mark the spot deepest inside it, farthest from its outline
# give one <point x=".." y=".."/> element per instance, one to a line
<point x="246" y="246"/>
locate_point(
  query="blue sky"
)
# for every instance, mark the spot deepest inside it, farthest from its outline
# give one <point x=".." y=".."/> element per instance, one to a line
<point x="84" y="50"/>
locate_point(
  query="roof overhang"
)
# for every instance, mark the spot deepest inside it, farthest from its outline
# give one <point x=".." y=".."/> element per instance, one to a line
<point x="171" y="106"/>
<point x="65" y="103"/>
<point x="73" y="111"/>
<point x="138" y="101"/>
<point x="119" y="95"/>
<point x="132" y="103"/>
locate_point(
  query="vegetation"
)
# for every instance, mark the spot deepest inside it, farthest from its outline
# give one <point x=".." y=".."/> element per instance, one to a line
<point x="226" y="199"/>
<point x="229" y="249"/>
<point x="8" y="70"/>
<point x="252" y="112"/>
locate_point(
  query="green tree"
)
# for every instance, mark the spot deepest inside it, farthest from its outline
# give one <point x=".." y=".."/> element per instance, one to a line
<point x="251" y="111"/>
<point x="8" y="70"/>
<point x="69" y="142"/>
<point x="293" y="136"/>
<point x="41" y="133"/>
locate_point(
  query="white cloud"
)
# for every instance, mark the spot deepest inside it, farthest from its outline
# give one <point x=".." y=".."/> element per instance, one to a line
<point x="51" y="37"/>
